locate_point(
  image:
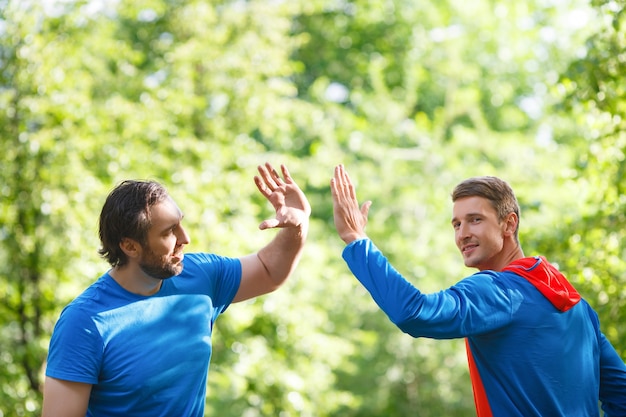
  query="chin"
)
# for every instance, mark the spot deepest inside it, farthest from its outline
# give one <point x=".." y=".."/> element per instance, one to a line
<point x="468" y="262"/>
<point x="471" y="264"/>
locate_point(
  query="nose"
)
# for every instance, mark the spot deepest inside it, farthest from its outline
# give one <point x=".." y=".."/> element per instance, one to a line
<point x="182" y="238"/>
<point x="462" y="232"/>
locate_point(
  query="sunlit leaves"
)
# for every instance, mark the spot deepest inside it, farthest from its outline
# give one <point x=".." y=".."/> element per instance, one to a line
<point x="412" y="97"/>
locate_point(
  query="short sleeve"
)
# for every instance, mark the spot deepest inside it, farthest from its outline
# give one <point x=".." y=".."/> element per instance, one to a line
<point x="75" y="351"/>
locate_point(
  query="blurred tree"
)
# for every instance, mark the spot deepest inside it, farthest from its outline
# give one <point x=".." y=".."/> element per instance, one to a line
<point x="590" y="110"/>
<point x="40" y="177"/>
<point x="411" y="97"/>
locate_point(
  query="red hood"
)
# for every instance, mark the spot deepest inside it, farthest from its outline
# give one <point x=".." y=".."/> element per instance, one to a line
<point x="547" y="279"/>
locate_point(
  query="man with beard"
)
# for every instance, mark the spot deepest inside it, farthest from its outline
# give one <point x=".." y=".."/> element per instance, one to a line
<point x="137" y="342"/>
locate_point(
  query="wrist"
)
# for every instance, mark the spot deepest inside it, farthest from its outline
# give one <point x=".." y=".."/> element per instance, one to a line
<point x="351" y="237"/>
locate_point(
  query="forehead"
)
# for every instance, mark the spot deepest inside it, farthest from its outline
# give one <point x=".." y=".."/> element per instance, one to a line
<point x="165" y="213"/>
<point x="468" y="206"/>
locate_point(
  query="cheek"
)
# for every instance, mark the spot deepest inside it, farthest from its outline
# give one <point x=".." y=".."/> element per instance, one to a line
<point x="497" y="241"/>
<point x="172" y="244"/>
<point x="163" y="247"/>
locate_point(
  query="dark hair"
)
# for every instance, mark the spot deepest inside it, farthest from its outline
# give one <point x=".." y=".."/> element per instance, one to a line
<point x="126" y="214"/>
<point x="497" y="191"/>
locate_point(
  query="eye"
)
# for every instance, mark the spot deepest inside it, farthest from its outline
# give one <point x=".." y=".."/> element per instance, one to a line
<point x="170" y="231"/>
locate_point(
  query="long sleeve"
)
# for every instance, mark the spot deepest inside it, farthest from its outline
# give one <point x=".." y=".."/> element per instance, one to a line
<point x="475" y="305"/>
<point x="612" y="380"/>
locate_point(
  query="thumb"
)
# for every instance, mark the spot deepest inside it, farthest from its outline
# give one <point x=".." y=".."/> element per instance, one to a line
<point x="365" y="208"/>
<point x="268" y="224"/>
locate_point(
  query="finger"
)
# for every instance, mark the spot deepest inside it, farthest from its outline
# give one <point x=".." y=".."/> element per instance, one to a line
<point x="273" y="173"/>
<point x="338" y="181"/>
<point x="262" y="187"/>
<point x="336" y="186"/>
<point x="339" y="202"/>
<point x="267" y="177"/>
<point x="268" y="224"/>
<point x="339" y="174"/>
<point x="347" y="183"/>
<point x="365" y="208"/>
<point x="345" y="179"/>
<point x="286" y="174"/>
<point x="346" y="188"/>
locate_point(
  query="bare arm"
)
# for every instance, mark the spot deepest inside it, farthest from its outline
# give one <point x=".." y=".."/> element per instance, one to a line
<point x="65" y="398"/>
<point x="266" y="270"/>
<point x="350" y="219"/>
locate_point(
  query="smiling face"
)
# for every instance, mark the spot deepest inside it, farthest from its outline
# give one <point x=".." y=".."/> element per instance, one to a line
<point x="162" y="255"/>
<point x="478" y="233"/>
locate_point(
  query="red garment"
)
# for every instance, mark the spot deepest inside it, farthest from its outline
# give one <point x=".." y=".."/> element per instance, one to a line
<point x="547" y="279"/>
<point x="483" y="409"/>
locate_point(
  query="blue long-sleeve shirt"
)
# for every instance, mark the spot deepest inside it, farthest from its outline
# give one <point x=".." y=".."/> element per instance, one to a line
<point x="534" y="349"/>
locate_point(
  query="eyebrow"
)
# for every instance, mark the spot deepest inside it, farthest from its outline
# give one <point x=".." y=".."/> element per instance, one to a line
<point x="473" y="214"/>
<point x="173" y="224"/>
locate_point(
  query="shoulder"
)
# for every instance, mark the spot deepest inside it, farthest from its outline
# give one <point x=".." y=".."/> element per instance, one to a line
<point x="209" y="274"/>
<point x="102" y="296"/>
<point x="494" y="279"/>
<point x="88" y="298"/>
<point x="77" y="315"/>
<point x="491" y="285"/>
<point x="208" y="262"/>
<point x="202" y="268"/>
<point x="481" y="280"/>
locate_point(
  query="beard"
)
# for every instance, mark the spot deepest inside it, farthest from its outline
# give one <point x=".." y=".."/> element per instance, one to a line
<point x="159" y="267"/>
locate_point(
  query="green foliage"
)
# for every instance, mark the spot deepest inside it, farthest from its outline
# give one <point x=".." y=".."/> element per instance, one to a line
<point x="412" y="97"/>
<point x="591" y="101"/>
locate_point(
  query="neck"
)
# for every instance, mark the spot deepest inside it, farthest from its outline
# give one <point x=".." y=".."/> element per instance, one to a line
<point x="510" y="252"/>
<point x="134" y="280"/>
<point x="507" y="256"/>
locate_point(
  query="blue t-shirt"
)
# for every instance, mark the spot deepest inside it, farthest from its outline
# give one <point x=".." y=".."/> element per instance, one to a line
<point x="145" y="355"/>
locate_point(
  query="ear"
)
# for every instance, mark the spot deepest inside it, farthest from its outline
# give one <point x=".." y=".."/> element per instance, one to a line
<point x="130" y="247"/>
<point x="510" y="224"/>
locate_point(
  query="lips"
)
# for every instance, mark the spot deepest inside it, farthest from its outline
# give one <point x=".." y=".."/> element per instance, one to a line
<point x="467" y="249"/>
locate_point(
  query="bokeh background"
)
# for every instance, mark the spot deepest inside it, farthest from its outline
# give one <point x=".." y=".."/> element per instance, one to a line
<point x="412" y="96"/>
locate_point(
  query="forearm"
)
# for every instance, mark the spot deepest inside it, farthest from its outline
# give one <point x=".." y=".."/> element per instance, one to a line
<point x="393" y="294"/>
<point x="612" y="380"/>
<point x="281" y="256"/>
<point x="418" y="314"/>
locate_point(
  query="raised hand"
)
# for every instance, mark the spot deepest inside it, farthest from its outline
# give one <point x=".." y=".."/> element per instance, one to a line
<point x="350" y="219"/>
<point x="291" y="205"/>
